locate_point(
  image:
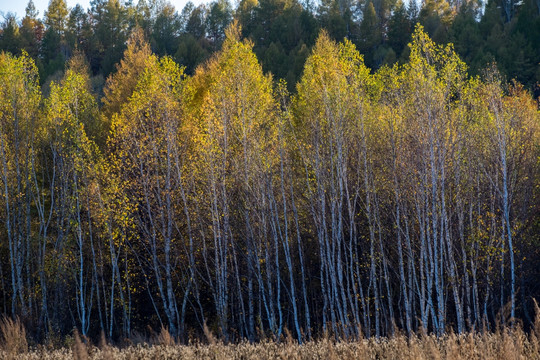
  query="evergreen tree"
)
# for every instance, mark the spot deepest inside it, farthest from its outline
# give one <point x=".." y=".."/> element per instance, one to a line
<point x="55" y="50"/>
<point x="219" y="17"/>
<point x="56" y="16"/>
<point x="110" y="24"/>
<point x="10" y="37"/>
<point x="465" y="35"/>
<point x="166" y="31"/>
<point x="31" y="32"/>
<point x="436" y="16"/>
<point x="191" y="52"/>
<point x="196" y="21"/>
<point x="399" y="29"/>
<point x="370" y="36"/>
<point x="79" y="31"/>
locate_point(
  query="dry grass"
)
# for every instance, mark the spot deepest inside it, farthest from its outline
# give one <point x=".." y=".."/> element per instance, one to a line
<point x="505" y="344"/>
<point x="12" y="337"/>
<point x="209" y="336"/>
<point x="79" y="349"/>
<point x="164" y="338"/>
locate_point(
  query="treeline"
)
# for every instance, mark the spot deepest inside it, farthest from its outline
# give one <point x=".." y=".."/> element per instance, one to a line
<point x="283" y="32"/>
<point x="365" y="203"/>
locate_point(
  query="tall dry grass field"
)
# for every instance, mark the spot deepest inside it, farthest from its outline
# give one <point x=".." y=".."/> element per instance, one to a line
<point x="505" y="344"/>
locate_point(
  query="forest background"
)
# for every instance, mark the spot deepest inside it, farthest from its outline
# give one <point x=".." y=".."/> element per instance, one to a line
<point x="283" y="33"/>
<point x="240" y="168"/>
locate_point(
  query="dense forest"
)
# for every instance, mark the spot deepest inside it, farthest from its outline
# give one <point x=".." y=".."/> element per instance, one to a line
<point x="246" y="171"/>
<point x="283" y="33"/>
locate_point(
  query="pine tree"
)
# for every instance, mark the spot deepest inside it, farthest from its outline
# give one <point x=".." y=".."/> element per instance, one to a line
<point x="55" y="51"/>
<point x="10" y="37"/>
<point x="31" y="31"/>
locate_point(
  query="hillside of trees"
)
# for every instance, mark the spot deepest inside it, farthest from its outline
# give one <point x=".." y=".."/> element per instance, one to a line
<point x="366" y="201"/>
<point x="283" y="33"/>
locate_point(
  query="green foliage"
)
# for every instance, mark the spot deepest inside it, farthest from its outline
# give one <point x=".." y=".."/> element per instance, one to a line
<point x="399" y="29"/>
<point x="110" y="26"/>
<point x="191" y="52"/>
<point x="282" y="31"/>
<point x="371" y="37"/>
<point x="56" y="16"/>
<point x="165" y="31"/>
<point x="10" y="35"/>
<point x="219" y="17"/>
<point x="31" y="31"/>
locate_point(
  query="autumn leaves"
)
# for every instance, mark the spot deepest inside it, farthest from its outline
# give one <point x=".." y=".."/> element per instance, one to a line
<point x="362" y="204"/>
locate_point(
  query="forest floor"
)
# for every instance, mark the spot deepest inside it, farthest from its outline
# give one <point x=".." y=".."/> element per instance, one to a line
<point x="505" y="344"/>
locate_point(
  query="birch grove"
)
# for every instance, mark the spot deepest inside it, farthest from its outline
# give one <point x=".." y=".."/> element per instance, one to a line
<point x="362" y="204"/>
